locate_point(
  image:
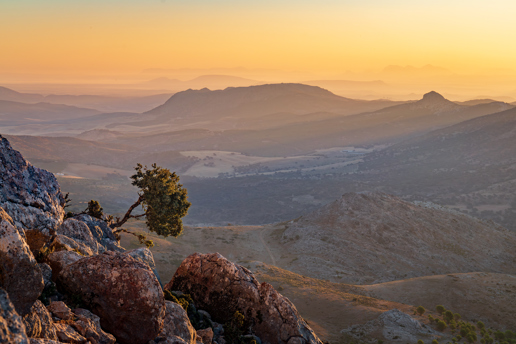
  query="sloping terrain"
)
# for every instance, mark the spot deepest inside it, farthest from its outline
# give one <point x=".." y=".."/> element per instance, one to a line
<point x="72" y="150"/>
<point x="366" y="238"/>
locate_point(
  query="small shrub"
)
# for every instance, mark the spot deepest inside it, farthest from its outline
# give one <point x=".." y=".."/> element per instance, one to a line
<point x="440" y="309"/>
<point x="420" y="342"/>
<point x="441" y="325"/>
<point x="435" y="341"/>
<point x="420" y="310"/>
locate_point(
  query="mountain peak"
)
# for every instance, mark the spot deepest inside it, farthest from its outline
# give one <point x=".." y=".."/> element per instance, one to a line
<point x="433" y="97"/>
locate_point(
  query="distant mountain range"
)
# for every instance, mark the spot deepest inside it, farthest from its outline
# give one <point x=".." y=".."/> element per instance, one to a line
<point x="99" y="103"/>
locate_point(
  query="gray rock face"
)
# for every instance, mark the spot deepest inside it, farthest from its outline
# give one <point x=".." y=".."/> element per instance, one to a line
<point x="222" y="288"/>
<point x="177" y="328"/>
<point x="20" y="274"/>
<point x="123" y="292"/>
<point x="88" y="235"/>
<point x="31" y="196"/>
<point x="12" y="329"/>
<point x="39" y="323"/>
<point x="395" y="326"/>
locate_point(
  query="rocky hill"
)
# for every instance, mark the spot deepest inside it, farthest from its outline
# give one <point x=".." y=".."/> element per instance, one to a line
<point x="68" y="280"/>
<point x="368" y="238"/>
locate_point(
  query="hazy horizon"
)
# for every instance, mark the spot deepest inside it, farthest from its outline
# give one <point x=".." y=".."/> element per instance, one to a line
<point x="120" y="42"/>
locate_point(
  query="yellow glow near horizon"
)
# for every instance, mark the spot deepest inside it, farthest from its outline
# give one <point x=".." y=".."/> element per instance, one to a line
<point x="321" y="36"/>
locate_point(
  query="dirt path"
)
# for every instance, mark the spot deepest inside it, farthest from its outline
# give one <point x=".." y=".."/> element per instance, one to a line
<point x="267" y="247"/>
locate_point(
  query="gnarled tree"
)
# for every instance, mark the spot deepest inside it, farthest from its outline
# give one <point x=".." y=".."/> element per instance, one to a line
<point x="163" y="199"/>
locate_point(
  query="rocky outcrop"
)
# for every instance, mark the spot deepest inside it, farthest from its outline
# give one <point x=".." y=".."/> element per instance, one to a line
<point x="20" y="274"/>
<point x="60" y="259"/>
<point x="12" y="329"/>
<point x="43" y="341"/>
<point x="177" y="328"/>
<point x="394" y="326"/>
<point x="123" y="292"/>
<point x="39" y="323"/>
<point x="101" y="232"/>
<point x="88" y="325"/>
<point x="222" y="288"/>
<point x="60" y="310"/>
<point x="31" y="196"/>
<point x="67" y="334"/>
<point x="206" y="335"/>
<point x="87" y="235"/>
<point x="144" y="255"/>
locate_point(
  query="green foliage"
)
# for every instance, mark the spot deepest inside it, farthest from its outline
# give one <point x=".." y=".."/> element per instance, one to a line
<point x="233" y="330"/>
<point x="198" y="321"/>
<point x="431" y="318"/>
<point x="464" y="331"/>
<point x="480" y="325"/>
<point x="452" y="325"/>
<point x="164" y="200"/>
<point x="94" y="210"/>
<point x="435" y="341"/>
<point x="420" y="342"/>
<point x="471" y="337"/>
<point x="440" y="309"/>
<point x="420" y="310"/>
<point x="448" y="316"/>
<point x="441" y="325"/>
<point x="456" y="316"/>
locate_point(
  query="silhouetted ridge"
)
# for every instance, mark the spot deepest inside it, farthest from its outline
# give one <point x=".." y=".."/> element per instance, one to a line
<point x="433" y="97"/>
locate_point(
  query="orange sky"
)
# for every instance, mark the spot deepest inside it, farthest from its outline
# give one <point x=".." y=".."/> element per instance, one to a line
<point x="325" y="37"/>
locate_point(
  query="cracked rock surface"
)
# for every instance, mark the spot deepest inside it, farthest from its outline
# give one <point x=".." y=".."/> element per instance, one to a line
<point x="221" y="288"/>
<point x="123" y="292"/>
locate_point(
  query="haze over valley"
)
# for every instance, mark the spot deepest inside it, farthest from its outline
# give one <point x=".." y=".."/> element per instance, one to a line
<point x="240" y="172"/>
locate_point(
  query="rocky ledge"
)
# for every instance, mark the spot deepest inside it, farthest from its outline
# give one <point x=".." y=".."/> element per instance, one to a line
<point x="69" y="281"/>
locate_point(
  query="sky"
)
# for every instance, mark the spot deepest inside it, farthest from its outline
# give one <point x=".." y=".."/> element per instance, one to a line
<point x="330" y="37"/>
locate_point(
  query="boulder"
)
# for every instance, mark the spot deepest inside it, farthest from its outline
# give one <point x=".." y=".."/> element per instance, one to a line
<point x="177" y="328"/>
<point x="101" y="232"/>
<point x="144" y="255"/>
<point x="222" y="288"/>
<point x="206" y="335"/>
<point x="60" y="310"/>
<point x="31" y="196"/>
<point x="60" y="259"/>
<point x="123" y="292"/>
<point x="20" y="274"/>
<point x="12" y="329"/>
<point x="38" y="323"/>
<point x="87" y="235"/>
<point x="88" y="325"/>
<point x="67" y="334"/>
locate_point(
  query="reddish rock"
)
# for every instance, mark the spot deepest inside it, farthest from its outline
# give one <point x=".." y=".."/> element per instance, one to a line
<point x="67" y="334"/>
<point x="43" y="341"/>
<point x="123" y="292"/>
<point x="88" y="325"/>
<point x="20" y="274"/>
<point x="60" y="259"/>
<point x="206" y="335"/>
<point x="38" y="323"/>
<point x="222" y="288"/>
<point x="12" y="329"/>
<point x="60" y="310"/>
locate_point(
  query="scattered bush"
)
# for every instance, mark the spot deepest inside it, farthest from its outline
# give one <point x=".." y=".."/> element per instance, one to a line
<point x="420" y="310"/>
<point x="440" y="309"/>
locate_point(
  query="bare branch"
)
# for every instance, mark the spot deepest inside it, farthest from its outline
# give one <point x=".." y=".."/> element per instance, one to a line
<point x="127" y="215"/>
